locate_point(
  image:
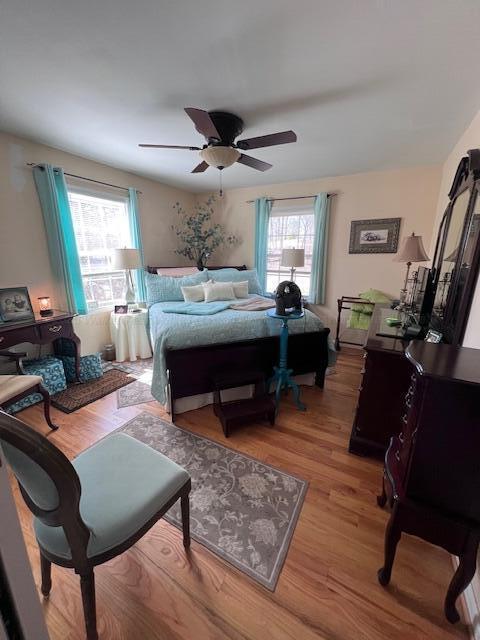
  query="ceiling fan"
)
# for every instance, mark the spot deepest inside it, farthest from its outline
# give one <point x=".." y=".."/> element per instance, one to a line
<point x="220" y="129"/>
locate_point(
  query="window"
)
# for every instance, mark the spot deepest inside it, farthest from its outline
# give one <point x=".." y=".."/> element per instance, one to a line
<point x="289" y="229"/>
<point x="100" y="224"/>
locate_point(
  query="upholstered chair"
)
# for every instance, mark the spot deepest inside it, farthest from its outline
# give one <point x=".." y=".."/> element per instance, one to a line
<point x="15" y="387"/>
<point x="90" y="510"/>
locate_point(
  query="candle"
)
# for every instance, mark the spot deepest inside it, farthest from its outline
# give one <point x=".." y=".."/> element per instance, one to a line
<point x="45" y="305"/>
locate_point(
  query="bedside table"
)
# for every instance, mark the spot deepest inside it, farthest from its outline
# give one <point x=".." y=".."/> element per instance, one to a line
<point x="128" y="332"/>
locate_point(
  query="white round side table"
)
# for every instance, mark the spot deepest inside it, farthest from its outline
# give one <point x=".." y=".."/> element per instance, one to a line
<point x="128" y="332"/>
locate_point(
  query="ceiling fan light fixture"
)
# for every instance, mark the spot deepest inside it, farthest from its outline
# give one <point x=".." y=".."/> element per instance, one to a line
<point x="219" y="156"/>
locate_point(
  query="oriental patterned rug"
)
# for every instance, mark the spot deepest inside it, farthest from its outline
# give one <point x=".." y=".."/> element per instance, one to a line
<point x="241" y="509"/>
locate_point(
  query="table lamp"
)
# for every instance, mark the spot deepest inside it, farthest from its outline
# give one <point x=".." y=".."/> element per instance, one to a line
<point x="45" y="306"/>
<point x="411" y="251"/>
<point x="126" y="260"/>
<point x="293" y="258"/>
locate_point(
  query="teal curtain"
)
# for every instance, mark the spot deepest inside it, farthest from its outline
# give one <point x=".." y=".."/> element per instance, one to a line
<point x="262" y="216"/>
<point x="320" y="247"/>
<point x="62" y="245"/>
<point x="133" y="221"/>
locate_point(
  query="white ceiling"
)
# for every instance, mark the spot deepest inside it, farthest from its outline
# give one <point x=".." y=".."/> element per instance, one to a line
<point x="365" y="84"/>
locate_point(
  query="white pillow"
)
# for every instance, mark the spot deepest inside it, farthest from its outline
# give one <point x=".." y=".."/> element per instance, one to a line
<point x="240" y="289"/>
<point x="218" y="291"/>
<point x="193" y="294"/>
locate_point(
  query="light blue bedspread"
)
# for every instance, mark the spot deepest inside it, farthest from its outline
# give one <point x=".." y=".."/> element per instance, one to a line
<point x="180" y="331"/>
<point x="196" y="308"/>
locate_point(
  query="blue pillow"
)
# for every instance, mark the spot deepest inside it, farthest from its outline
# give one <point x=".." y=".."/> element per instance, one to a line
<point x="167" y="288"/>
<point x="234" y="275"/>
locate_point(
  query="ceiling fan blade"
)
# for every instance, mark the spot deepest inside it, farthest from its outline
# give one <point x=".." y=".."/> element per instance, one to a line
<point x="260" y="165"/>
<point x="272" y="139"/>
<point x="203" y="166"/>
<point x="203" y="122"/>
<point x="169" y="146"/>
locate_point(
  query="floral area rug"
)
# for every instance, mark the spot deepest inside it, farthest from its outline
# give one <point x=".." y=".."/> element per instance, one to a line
<point x="137" y="392"/>
<point x="241" y="509"/>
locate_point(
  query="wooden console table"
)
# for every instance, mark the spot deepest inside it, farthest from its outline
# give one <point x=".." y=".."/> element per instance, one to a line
<point x="42" y="330"/>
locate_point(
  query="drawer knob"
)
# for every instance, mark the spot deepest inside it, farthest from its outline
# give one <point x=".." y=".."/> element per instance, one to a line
<point x="55" y="328"/>
<point x="2" y="338"/>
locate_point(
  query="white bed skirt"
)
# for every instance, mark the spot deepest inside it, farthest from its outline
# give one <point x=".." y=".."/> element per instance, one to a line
<point x="203" y="399"/>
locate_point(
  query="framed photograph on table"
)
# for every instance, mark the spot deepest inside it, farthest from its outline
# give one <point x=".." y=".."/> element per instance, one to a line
<point x="15" y="305"/>
<point x="121" y="309"/>
<point x="374" y="236"/>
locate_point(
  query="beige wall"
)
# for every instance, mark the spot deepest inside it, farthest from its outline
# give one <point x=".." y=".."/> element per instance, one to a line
<point x="410" y="194"/>
<point x="23" y="248"/>
<point x="469" y="140"/>
<point x="24" y="259"/>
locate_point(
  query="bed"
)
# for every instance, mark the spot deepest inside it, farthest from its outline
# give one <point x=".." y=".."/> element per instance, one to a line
<point x="189" y="350"/>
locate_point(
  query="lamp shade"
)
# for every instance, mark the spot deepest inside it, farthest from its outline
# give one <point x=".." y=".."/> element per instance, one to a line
<point x="412" y="250"/>
<point x="293" y="257"/>
<point x="220" y="156"/>
<point x="126" y="259"/>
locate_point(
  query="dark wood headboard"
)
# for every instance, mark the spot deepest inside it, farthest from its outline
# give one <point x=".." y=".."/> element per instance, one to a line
<point x="242" y="267"/>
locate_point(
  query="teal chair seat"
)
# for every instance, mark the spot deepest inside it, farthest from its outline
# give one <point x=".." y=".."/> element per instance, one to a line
<point x="124" y="484"/>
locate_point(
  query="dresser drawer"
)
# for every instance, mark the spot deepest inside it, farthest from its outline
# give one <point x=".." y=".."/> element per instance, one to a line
<point x="55" y="329"/>
<point x="18" y="336"/>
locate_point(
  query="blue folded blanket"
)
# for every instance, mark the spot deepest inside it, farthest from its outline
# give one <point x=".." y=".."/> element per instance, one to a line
<point x="196" y="308"/>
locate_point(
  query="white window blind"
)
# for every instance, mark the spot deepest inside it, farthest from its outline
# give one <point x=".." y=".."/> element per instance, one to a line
<point x="290" y="228"/>
<point x="100" y="224"/>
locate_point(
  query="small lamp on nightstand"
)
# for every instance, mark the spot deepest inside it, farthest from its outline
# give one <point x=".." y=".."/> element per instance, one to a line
<point x="412" y="251"/>
<point x="126" y="260"/>
<point x="45" y="306"/>
<point x="293" y="258"/>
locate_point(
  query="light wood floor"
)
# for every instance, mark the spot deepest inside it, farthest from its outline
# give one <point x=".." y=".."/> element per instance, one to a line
<point x="327" y="588"/>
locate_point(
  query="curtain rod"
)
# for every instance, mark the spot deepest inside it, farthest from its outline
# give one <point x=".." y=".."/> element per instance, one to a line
<point x="329" y="195"/>
<point x="72" y="175"/>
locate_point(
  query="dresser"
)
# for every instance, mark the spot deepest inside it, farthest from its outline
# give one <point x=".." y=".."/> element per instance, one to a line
<point x="386" y="375"/>
<point x="432" y="466"/>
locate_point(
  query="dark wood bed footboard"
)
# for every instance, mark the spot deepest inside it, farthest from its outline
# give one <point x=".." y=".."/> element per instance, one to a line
<point x="191" y="371"/>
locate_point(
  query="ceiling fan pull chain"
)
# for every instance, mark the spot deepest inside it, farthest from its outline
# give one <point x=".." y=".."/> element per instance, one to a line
<point x="221" y="184"/>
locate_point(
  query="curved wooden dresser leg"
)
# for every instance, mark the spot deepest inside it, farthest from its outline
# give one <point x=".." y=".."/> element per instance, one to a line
<point x="382" y="498"/>
<point x="393" y="534"/>
<point x="461" y="579"/>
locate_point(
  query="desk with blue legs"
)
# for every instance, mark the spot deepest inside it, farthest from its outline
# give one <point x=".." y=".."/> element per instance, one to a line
<point x="282" y="374"/>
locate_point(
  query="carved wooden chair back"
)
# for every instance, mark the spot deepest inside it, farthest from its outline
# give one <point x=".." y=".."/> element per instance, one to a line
<point x="48" y="482"/>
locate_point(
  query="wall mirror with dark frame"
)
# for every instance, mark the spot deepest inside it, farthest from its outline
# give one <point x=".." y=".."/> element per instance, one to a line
<point x="457" y="253"/>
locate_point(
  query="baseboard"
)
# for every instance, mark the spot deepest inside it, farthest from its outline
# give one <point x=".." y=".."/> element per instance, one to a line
<point x="470" y="603"/>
